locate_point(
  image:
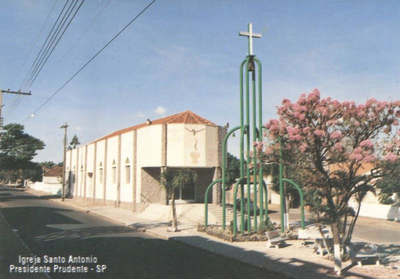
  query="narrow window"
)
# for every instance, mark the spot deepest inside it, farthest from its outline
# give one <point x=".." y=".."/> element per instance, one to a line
<point x="101" y="173"/>
<point x="114" y="172"/>
<point x="73" y="175"/>
<point x="127" y="171"/>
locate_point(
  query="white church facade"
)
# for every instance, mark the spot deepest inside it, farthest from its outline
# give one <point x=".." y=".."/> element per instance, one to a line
<point x="123" y="168"/>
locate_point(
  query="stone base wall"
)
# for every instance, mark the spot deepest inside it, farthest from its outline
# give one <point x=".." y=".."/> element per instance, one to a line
<point x="152" y="191"/>
<point x="204" y="179"/>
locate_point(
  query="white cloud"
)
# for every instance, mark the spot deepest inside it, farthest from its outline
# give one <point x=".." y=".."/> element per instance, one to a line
<point x="160" y="111"/>
<point x="140" y="115"/>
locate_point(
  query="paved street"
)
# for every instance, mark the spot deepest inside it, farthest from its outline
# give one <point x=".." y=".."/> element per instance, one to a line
<point x="369" y="230"/>
<point x="52" y="232"/>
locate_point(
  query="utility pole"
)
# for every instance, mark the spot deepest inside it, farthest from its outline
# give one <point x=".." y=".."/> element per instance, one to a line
<point x="1" y="102"/>
<point x="65" y="126"/>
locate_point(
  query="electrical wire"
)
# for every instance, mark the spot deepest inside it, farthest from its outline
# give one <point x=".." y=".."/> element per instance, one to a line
<point x="37" y="38"/>
<point x="48" y="49"/>
<point x="52" y="40"/>
<point x="93" y="21"/>
<point x="87" y="63"/>
<point x="43" y="46"/>
<point x="16" y="100"/>
<point x="84" y="66"/>
<point x="83" y="33"/>
<point x="49" y="52"/>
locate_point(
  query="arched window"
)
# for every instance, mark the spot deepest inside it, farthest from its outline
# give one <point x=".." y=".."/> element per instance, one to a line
<point x="101" y="174"/>
<point x="127" y="171"/>
<point x="73" y="175"/>
<point x="114" y="172"/>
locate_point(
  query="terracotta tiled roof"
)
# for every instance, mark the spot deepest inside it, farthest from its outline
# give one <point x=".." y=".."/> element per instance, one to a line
<point x="187" y="117"/>
<point x="55" y="171"/>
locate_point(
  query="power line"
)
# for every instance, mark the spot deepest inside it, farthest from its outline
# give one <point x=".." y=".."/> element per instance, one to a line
<point x="87" y="63"/>
<point x="44" y="44"/>
<point x="50" y="45"/>
<point x="48" y="51"/>
<point x="83" y="33"/>
<point x="38" y="36"/>
<point x="52" y="40"/>
<point x="1" y="103"/>
<point x="105" y="6"/>
<point x="17" y="99"/>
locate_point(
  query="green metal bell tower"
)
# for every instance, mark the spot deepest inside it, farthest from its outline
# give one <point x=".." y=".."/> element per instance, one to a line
<point x="250" y="183"/>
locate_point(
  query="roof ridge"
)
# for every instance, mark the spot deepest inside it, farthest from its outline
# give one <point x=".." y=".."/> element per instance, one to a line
<point x="186" y="115"/>
<point x="172" y="119"/>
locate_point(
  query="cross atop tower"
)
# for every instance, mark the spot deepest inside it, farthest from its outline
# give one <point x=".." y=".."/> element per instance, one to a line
<point x="250" y="35"/>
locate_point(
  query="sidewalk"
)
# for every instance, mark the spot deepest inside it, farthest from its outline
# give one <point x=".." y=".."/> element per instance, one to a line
<point x="293" y="260"/>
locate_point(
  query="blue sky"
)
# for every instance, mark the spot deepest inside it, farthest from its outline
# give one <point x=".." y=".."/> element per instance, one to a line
<point x="183" y="55"/>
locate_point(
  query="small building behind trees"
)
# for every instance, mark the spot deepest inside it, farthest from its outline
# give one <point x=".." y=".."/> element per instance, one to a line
<point x="51" y="182"/>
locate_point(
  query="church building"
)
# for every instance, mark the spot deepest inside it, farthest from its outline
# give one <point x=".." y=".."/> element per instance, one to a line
<point x="123" y="168"/>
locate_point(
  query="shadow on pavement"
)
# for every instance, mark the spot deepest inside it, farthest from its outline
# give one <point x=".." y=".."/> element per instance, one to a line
<point x="32" y="221"/>
<point x="11" y="190"/>
<point x="9" y="197"/>
<point x="289" y="267"/>
<point x="86" y="232"/>
<point x="125" y="251"/>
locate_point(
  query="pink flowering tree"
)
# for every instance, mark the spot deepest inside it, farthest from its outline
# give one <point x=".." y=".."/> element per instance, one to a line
<point x="340" y="150"/>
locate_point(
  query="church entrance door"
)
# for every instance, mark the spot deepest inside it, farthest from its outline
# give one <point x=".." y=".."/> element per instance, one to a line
<point x="187" y="193"/>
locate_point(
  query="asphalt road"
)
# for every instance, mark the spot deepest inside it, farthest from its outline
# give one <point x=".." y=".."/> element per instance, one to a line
<point x="74" y="244"/>
<point x="368" y="230"/>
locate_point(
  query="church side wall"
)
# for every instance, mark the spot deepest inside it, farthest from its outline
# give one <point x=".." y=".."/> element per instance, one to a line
<point x="215" y="137"/>
<point x="112" y="169"/>
<point x="204" y="179"/>
<point x="126" y="167"/>
<point x="71" y="176"/>
<point x="149" y="141"/>
<point x="151" y="192"/>
<point x="100" y="166"/>
<point x="90" y="171"/>
<point x="149" y="154"/>
<point x="175" y="141"/>
<point x="79" y="172"/>
<point x="67" y="169"/>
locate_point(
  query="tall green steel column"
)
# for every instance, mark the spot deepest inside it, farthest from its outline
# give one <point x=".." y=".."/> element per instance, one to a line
<point x="250" y="128"/>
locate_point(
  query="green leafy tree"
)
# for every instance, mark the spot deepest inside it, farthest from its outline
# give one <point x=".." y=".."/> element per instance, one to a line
<point x="74" y="142"/>
<point x="292" y="197"/>
<point x="232" y="170"/>
<point x="172" y="180"/>
<point x="389" y="188"/>
<point x="17" y="149"/>
<point x="48" y="164"/>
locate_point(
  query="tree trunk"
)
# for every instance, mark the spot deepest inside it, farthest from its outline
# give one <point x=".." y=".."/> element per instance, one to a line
<point x="336" y="248"/>
<point x="174" y="217"/>
<point x="323" y="236"/>
<point x="352" y="225"/>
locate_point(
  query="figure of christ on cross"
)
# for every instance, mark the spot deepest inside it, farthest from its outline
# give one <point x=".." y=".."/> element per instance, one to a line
<point x="250" y="35"/>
